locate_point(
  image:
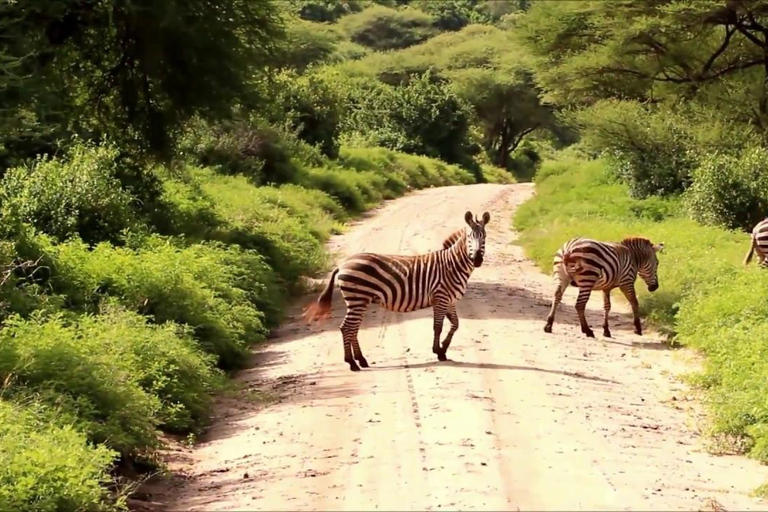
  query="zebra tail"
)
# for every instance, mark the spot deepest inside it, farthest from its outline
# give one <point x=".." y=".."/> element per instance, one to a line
<point x="321" y="308"/>
<point x="748" y="258"/>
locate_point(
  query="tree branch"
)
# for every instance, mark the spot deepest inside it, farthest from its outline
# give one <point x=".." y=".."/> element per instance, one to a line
<point x="729" y="31"/>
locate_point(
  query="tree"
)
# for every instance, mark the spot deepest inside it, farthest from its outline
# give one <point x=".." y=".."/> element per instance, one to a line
<point x="654" y="50"/>
<point x="136" y="70"/>
<point x="506" y="105"/>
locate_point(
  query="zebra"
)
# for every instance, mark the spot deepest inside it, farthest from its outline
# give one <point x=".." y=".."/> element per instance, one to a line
<point x="592" y="265"/>
<point x="404" y="284"/>
<point x="760" y="243"/>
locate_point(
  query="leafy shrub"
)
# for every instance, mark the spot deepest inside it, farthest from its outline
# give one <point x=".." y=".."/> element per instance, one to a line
<point x="306" y="43"/>
<point x="310" y="108"/>
<point x="655" y="150"/>
<point x="383" y="28"/>
<point x="281" y="224"/>
<point x="66" y="367"/>
<point x="79" y="194"/>
<point x="326" y="10"/>
<point x="194" y="285"/>
<point x="47" y="465"/>
<point x="730" y="191"/>
<point x="241" y="147"/>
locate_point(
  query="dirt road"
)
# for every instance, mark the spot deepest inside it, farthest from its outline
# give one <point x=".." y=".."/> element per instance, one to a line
<point x="517" y="420"/>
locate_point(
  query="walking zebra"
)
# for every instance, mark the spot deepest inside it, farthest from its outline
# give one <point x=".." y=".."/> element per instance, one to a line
<point x="592" y="265"/>
<point x="759" y="243"/>
<point x="403" y="284"/>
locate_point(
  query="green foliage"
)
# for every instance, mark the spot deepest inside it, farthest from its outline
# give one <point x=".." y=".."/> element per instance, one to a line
<point x="93" y="62"/>
<point x="242" y="147"/>
<point x="309" y="107"/>
<point x="78" y="195"/>
<point x="47" y="465"/>
<point x="194" y="285"/>
<point x="656" y="150"/>
<point x="730" y="191"/>
<point x="306" y="43"/>
<point x="384" y="28"/>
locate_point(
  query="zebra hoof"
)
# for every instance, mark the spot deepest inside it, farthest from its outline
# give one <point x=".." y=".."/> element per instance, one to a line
<point x="589" y="333"/>
<point x="441" y="356"/>
<point x="638" y="332"/>
<point x="606" y="333"/>
<point x="363" y="362"/>
<point x="548" y="329"/>
<point x="353" y="366"/>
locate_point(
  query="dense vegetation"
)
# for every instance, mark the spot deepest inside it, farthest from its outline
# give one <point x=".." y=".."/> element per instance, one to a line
<point x="169" y="171"/>
<point x="670" y="102"/>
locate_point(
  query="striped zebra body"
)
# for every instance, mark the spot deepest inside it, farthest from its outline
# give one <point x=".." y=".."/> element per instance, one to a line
<point x="759" y="244"/>
<point x="591" y="265"/>
<point x="404" y="284"/>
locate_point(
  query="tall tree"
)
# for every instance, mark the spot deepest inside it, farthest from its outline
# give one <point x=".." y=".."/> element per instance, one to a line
<point x="135" y="70"/>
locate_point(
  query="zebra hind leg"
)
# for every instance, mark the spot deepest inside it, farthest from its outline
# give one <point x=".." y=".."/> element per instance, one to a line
<point x="349" y="329"/>
<point x="581" y="306"/>
<point x="555" y="302"/>
<point x="606" y="310"/>
<point x="453" y="317"/>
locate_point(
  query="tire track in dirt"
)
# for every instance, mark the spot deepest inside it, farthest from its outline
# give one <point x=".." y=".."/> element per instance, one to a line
<point x="516" y="418"/>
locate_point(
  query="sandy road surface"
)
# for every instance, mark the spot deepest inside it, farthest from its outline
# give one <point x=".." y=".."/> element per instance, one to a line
<point x="517" y="420"/>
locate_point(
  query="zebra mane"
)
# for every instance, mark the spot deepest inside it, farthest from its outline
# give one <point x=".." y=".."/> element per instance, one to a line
<point x="453" y="237"/>
<point x="635" y="240"/>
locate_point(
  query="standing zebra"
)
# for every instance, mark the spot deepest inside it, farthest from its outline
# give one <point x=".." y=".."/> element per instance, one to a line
<point x="403" y="284"/>
<point x="759" y="243"/>
<point x="592" y="265"/>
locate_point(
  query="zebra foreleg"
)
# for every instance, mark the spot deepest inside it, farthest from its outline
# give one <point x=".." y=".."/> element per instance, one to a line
<point x="453" y="317"/>
<point x="555" y="303"/>
<point x="629" y="292"/>
<point x="440" y="309"/>
<point x="349" y="329"/>
<point x="606" y="309"/>
<point x="581" y="306"/>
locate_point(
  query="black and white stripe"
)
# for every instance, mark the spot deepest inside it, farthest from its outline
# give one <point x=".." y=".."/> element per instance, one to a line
<point x="592" y="265"/>
<point x="403" y="284"/>
<point x="759" y="243"/>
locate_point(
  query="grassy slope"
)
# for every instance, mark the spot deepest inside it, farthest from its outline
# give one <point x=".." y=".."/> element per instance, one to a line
<point x="706" y="300"/>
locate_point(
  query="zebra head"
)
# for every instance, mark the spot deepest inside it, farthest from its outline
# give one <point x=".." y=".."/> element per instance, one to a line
<point x="648" y="263"/>
<point x="476" y="237"/>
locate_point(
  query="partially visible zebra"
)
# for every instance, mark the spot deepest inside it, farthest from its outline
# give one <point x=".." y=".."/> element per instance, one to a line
<point x="759" y="243"/>
<point x="592" y="265"/>
<point x="403" y="284"/>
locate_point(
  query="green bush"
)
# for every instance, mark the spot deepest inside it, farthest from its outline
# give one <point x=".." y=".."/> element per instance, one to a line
<point x="46" y="465"/>
<point x="655" y="150"/>
<point x="68" y="367"/>
<point x="306" y="43"/>
<point x="383" y="28"/>
<point x="241" y="147"/>
<point x="309" y="107"/>
<point x="730" y="191"/>
<point x="76" y="195"/>
<point x="194" y="285"/>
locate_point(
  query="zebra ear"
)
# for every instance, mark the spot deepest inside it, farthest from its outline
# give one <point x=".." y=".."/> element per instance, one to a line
<point x="659" y="247"/>
<point x="468" y="218"/>
<point x="486" y="218"/>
